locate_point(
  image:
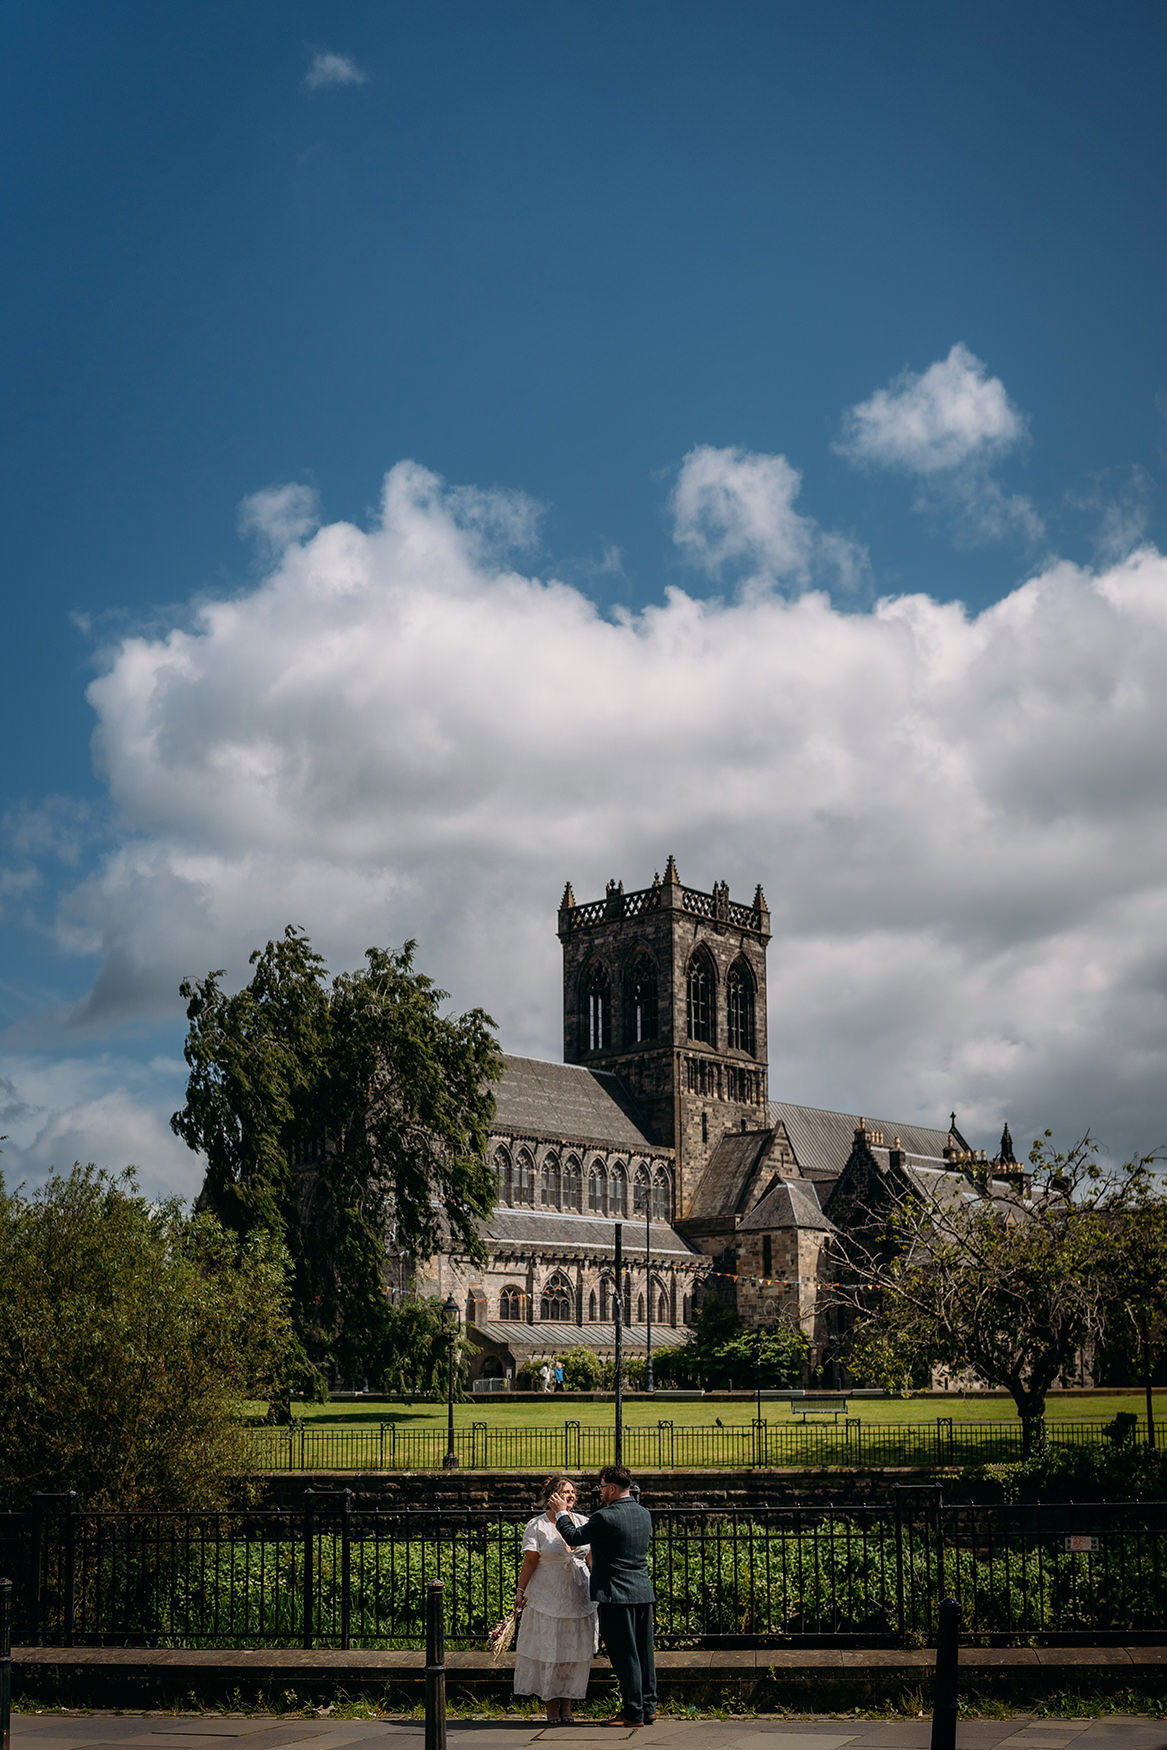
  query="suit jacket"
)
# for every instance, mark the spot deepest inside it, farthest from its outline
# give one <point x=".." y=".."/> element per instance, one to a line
<point x="619" y="1535"/>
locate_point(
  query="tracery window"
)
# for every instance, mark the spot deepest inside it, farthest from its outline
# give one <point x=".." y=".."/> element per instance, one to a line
<point x="524" y="1178"/>
<point x="662" y="1196"/>
<point x="549" y="1182"/>
<point x="641" y="1193"/>
<point x="510" y="1302"/>
<point x="597" y="1186"/>
<point x="597" y="1009"/>
<point x="502" y="1166"/>
<point x="739" y="992"/>
<point x="699" y="983"/>
<point x="641" y="1010"/>
<point x="558" y="1303"/>
<point x="617" y="1192"/>
<point x="572" y="1187"/>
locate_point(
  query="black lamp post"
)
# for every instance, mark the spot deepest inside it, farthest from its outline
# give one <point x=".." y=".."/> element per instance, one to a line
<point x="451" y="1321"/>
<point x="649" y="1382"/>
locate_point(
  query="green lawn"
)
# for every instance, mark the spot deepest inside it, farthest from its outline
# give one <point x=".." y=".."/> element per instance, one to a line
<point x="556" y="1408"/>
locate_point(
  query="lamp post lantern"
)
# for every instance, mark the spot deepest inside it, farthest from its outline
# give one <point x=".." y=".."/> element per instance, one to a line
<point x="451" y="1320"/>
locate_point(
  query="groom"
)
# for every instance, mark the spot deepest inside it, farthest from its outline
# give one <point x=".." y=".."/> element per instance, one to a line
<point x="619" y="1535"/>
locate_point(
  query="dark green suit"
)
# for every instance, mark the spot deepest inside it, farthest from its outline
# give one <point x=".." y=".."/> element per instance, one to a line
<point x="619" y="1535"/>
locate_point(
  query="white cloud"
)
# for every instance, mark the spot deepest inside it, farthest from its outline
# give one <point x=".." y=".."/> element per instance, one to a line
<point x="947" y="426"/>
<point x="329" y="70"/>
<point x="945" y="417"/>
<point x="960" y="821"/>
<point x="734" y="507"/>
<point x="278" y="515"/>
<point x="113" y="1112"/>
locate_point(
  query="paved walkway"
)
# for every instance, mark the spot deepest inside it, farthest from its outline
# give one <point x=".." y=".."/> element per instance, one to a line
<point x="259" y="1732"/>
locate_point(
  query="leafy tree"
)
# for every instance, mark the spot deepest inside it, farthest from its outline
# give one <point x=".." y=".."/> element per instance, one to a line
<point x="724" y="1351"/>
<point x="582" y="1370"/>
<point x="341" y="1117"/>
<point x="414" y="1358"/>
<point x="131" y="1333"/>
<point x="1008" y="1282"/>
<point x="1134" y="1248"/>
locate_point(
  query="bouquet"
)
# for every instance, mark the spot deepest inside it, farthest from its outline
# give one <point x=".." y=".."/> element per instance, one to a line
<point x="502" y="1635"/>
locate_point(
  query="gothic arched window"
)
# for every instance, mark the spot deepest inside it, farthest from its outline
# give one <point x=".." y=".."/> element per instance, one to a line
<point x="510" y="1302"/>
<point x="549" y="1183"/>
<point x="662" y="1198"/>
<point x="502" y="1166"/>
<point x="641" y="1193"/>
<point x="597" y="1009"/>
<point x="618" y="1191"/>
<point x="592" y="1307"/>
<point x="572" y="1187"/>
<point x="662" y="1308"/>
<point x="605" y="1299"/>
<point x="597" y="1186"/>
<point x="739" y="994"/>
<point x="640" y="1000"/>
<point x="640" y="1309"/>
<point x="524" y="1178"/>
<point x="557" y="1305"/>
<point x="699" y="986"/>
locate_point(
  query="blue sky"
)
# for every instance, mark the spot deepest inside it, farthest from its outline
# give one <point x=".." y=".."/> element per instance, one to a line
<point x="725" y="326"/>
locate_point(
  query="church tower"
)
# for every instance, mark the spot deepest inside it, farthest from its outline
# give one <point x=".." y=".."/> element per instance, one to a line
<point x="666" y="988"/>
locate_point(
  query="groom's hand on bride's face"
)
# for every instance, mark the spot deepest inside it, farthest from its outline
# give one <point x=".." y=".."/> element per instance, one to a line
<point x="559" y="1502"/>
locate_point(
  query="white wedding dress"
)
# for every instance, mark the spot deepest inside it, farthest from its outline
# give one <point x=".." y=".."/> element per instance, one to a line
<point x="558" y="1630"/>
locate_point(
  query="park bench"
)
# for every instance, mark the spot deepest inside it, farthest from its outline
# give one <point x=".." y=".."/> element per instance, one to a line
<point x="819" y="1404"/>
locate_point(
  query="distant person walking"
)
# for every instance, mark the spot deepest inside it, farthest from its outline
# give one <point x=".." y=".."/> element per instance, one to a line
<point x="559" y="1376"/>
<point x="545" y="1375"/>
<point x="619" y="1534"/>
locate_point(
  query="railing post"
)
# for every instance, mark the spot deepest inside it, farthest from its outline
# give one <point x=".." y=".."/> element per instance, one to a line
<point x="477" y="1428"/>
<point x="901" y="1626"/>
<point x="70" y="1567"/>
<point x="944" y="1694"/>
<point x="309" y="1585"/>
<point x="345" y="1569"/>
<point x="435" y="1666"/>
<point x="382" y="1449"/>
<point x="5" y="1664"/>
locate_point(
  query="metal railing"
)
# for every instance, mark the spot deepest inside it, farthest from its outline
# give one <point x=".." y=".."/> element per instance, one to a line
<point x="335" y="1575"/>
<point x="314" y="1446"/>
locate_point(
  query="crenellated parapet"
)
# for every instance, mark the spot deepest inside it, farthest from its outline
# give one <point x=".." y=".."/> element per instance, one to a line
<point x="665" y="895"/>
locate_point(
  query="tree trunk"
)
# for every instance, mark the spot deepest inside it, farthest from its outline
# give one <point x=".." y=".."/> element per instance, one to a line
<point x="1032" y="1432"/>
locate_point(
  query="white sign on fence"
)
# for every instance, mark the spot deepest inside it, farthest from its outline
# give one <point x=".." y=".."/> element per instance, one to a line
<point x="1083" y="1546"/>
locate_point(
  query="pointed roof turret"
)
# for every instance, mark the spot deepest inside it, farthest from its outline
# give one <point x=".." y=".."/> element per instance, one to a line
<point x="760" y="899"/>
<point x="671" y="872"/>
<point x="1006" y="1149"/>
<point x="568" y="901"/>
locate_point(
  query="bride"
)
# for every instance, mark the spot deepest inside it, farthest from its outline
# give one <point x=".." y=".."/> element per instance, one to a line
<point x="557" y="1628"/>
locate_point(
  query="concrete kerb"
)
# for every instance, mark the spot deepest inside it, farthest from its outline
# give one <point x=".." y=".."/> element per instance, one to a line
<point x="759" y="1680"/>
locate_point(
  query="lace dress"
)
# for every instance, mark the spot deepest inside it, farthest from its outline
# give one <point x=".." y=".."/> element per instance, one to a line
<point x="558" y="1631"/>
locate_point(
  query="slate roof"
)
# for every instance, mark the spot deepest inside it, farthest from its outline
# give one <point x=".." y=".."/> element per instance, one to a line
<point x="789" y="1203"/>
<point x="550" y="1339"/>
<point x="552" y="1231"/>
<point x="568" y="1102"/>
<point x="822" y="1140"/>
<point x="726" y="1179"/>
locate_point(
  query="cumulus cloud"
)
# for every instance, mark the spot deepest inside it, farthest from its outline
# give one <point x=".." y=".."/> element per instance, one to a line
<point x="946" y="426"/>
<point x="328" y="70"/>
<point x="959" y="820"/>
<point x="734" y="507"/>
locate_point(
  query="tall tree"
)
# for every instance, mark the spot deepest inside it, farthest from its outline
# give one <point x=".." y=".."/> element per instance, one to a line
<point x="1133" y="1245"/>
<point x="349" y="1119"/>
<point x="1007" y="1281"/>
<point x="131" y="1333"/>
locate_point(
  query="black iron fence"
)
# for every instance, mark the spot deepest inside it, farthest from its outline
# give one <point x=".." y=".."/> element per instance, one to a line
<point x="315" y="1446"/>
<point x="335" y="1575"/>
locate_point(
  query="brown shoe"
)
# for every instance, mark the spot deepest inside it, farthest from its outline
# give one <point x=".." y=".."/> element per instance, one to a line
<point x="622" y="1720"/>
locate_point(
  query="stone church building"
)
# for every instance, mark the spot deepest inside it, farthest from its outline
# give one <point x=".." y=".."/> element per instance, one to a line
<point x="660" y="1117"/>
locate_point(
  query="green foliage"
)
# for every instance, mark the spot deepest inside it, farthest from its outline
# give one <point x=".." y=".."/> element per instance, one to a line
<point x="582" y="1370"/>
<point x="1104" y="1472"/>
<point x="342" y="1118"/>
<point x="724" y="1351"/>
<point x="414" y="1355"/>
<point x="131" y="1334"/>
